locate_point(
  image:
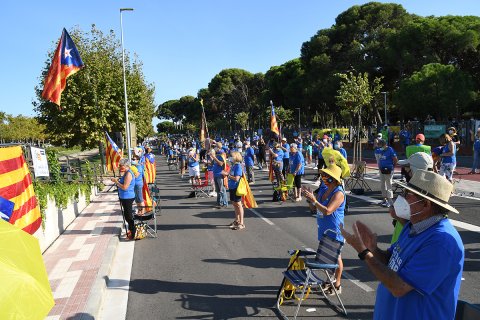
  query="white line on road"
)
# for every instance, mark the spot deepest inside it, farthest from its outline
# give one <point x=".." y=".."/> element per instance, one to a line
<point x="262" y="217"/>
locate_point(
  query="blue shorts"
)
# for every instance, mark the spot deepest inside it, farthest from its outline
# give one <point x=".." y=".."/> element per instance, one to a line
<point x="138" y="193"/>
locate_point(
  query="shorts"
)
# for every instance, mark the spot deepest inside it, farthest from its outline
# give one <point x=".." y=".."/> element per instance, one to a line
<point x="138" y="193"/>
<point x="233" y="195"/>
<point x="194" y="171"/>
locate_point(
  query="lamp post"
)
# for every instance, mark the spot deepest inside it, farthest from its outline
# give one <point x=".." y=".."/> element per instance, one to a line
<point x="127" y="123"/>
<point x="385" y="104"/>
<point x="299" y="129"/>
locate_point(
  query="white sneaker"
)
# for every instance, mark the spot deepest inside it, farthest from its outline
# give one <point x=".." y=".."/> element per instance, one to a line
<point x="212" y="194"/>
<point x="315" y="168"/>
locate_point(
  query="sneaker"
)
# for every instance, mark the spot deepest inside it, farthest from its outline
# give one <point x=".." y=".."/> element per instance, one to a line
<point x="382" y="203"/>
<point x="315" y="168"/>
<point x="218" y="206"/>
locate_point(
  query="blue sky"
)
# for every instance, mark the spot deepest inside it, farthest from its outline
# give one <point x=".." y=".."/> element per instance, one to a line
<point x="182" y="43"/>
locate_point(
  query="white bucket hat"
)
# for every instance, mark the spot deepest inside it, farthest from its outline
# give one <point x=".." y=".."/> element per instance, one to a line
<point x="431" y="186"/>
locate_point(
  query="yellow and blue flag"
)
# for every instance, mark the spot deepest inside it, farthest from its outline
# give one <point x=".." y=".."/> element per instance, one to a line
<point x="273" y="121"/>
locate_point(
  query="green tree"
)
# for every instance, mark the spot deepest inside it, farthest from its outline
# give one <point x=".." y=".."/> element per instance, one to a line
<point x="93" y="100"/>
<point x="355" y="93"/>
<point x="437" y="89"/>
<point x="20" y="128"/>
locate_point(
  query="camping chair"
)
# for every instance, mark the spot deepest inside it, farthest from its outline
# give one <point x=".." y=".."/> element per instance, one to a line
<point x="286" y="187"/>
<point x="150" y="215"/>
<point x="202" y="189"/>
<point x="356" y="180"/>
<point x="172" y="163"/>
<point x="466" y="311"/>
<point x="305" y="279"/>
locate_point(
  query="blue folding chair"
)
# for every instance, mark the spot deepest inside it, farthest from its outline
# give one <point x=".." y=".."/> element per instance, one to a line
<point x="317" y="272"/>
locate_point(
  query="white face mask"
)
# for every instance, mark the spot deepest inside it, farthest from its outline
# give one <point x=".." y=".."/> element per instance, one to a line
<point x="402" y="208"/>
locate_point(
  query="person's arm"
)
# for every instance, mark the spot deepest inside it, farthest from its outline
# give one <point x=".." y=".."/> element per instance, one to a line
<point x="395" y="161"/>
<point x="389" y="278"/>
<point x="126" y="182"/>
<point x="450" y="148"/>
<point x="333" y="205"/>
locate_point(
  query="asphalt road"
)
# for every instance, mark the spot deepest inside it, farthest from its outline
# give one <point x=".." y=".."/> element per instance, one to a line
<point x="198" y="268"/>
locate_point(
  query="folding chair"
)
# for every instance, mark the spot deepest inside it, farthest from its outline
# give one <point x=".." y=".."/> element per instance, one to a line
<point x="286" y="187"/>
<point x="304" y="280"/>
<point x="202" y="189"/>
<point x="150" y="215"/>
<point x="172" y="163"/>
<point x="357" y="178"/>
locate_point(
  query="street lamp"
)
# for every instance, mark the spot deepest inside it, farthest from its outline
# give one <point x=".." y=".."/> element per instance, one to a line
<point x="127" y="124"/>
<point x="299" y="129"/>
<point x="385" y="104"/>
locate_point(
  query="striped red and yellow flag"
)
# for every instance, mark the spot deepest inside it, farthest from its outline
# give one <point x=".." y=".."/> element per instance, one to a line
<point x="273" y="121"/>
<point x="248" y="199"/>
<point x="271" y="176"/>
<point x="147" y="198"/>
<point x="150" y="170"/>
<point x="16" y="186"/>
<point x="112" y="153"/>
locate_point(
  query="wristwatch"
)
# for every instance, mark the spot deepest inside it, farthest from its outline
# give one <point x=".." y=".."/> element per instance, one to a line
<point x="363" y="254"/>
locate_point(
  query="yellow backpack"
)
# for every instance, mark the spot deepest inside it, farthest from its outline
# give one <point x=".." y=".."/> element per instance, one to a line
<point x="287" y="290"/>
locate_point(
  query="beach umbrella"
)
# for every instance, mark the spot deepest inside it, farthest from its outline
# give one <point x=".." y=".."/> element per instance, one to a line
<point x="25" y="292"/>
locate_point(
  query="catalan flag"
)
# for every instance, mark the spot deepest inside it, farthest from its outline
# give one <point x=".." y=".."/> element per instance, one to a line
<point x="66" y="61"/>
<point x="16" y="186"/>
<point x="273" y="121"/>
<point x="248" y="199"/>
<point x="147" y="198"/>
<point x="203" y="124"/>
<point x="112" y="153"/>
<point x="150" y="170"/>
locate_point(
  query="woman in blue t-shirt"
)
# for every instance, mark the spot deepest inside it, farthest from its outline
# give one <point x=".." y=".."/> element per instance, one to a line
<point x="448" y="156"/>
<point x="234" y="176"/>
<point x="330" y="207"/>
<point x="126" y="193"/>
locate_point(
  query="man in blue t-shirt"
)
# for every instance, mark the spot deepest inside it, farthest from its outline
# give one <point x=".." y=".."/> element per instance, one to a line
<point x="286" y="155"/>
<point x="420" y="274"/>
<point x="387" y="159"/>
<point x="249" y="159"/>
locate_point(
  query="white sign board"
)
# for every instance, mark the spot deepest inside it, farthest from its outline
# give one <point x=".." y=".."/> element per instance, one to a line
<point x="40" y="163"/>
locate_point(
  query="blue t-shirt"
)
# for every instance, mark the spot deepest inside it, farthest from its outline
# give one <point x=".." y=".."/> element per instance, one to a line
<point x="449" y="159"/>
<point x="431" y="262"/>
<point x="279" y="153"/>
<point x="286" y="154"/>
<point x="249" y="154"/>
<point x="129" y="193"/>
<point x="386" y="157"/>
<point x="192" y="161"/>
<point x="295" y="159"/>
<point x="217" y="170"/>
<point x="330" y="221"/>
<point x="235" y="170"/>
<point x="343" y="152"/>
<point x="139" y="179"/>
<point x="405" y="137"/>
<point x="476" y="144"/>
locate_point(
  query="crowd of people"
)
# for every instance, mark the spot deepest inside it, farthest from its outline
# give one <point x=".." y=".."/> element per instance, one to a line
<point x="412" y="272"/>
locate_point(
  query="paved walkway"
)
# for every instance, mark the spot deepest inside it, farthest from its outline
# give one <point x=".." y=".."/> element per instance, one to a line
<point x="79" y="259"/>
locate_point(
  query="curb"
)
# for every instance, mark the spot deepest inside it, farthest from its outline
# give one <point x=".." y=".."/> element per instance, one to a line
<point x="95" y="298"/>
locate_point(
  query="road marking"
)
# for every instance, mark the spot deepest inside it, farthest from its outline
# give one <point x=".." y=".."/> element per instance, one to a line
<point x="262" y="217"/>
<point x="359" y="284"/>
<point x="464" y="225"/>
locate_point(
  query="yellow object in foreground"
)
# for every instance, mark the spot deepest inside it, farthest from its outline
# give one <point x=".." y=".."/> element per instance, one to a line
<point x="25" y="292"/>
<point x="329" y="153"/>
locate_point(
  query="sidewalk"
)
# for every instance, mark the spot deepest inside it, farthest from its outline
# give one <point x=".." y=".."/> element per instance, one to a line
<point x="79" y="260"/>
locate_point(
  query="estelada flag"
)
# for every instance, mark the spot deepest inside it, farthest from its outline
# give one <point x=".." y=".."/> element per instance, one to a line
<point x="112" y="153"/>
<point x="150" y="170"/>
<point x="147" y="198"/>
<point x="273" y="121"/>
<point x="248" y="199"/>
<point x="66" y="61"/>
<point x="16" y="186"/>
<point x="203" y="124"/>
